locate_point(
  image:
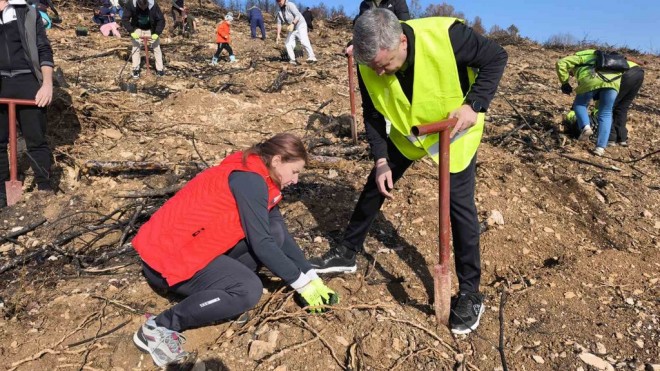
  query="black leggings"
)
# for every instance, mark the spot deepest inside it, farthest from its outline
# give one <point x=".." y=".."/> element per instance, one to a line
<point x="32" y="123"/>
<point x="223" y="46"/>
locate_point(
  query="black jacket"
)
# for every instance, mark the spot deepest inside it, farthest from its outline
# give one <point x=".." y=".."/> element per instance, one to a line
<point x="309" y="18"/>
<point x="398" y="7"/>
<point x="470" y="50"/>
<point x="34" y="41"/>
<point x="130" y="19"/>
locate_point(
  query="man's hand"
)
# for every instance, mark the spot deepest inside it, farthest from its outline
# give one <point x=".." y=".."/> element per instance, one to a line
<point x="135" y="35"/>
<point x="384" y="178"/>
<point x="44" y="95"/>
<point x="466" y="119"/>
<point x="566" y="88"/>
<point x="154" y="37"/>
<point x="290" y="27"/>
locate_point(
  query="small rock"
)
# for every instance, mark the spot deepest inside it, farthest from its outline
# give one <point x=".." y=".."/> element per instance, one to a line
<point x="280" y="368"/>
<point x="640" y="343"/>
<point x="341" y="340"/>
<point x="418" y="220"/>
<point x="548" y="230"/>
<point x="569" y="295"/>
<point x="332" y="174"/>
<point x="538" y="359"/>
<point x="600" y="349"/>
<point x="647" y="214"/>
<point x="260" y="349"/>
<point x="112" y="133"/>
<point x="525" y="251"/>
<point x="318" y="239"/>
<point x="596" y="362"/>
<point x="495" y="218"/>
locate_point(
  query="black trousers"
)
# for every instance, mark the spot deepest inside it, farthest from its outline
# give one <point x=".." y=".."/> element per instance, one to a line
<point x="463" y="215"/>
<point x="223" y="46"/>
<point x="225" y="288"/>
<point x="631" y="82"/>
<point x="32" y="124"/>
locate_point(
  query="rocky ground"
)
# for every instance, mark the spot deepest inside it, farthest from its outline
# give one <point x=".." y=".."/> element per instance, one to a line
<point x="571" y="240"/>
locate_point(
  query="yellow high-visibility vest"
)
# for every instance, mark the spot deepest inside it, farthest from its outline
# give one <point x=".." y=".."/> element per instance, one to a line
<point x="436" y="92"/>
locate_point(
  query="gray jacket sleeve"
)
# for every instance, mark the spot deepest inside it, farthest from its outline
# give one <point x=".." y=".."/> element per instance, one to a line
<point x="251" y="195"/>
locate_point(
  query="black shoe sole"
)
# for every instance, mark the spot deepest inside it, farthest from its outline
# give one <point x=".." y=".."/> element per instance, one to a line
<point x="462" y="330"/>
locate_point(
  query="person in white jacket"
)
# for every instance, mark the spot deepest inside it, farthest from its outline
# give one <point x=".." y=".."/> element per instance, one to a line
<point x="289" y="15"/>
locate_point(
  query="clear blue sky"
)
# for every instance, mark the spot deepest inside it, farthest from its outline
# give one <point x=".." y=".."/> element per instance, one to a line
<point x="632" y="23"/>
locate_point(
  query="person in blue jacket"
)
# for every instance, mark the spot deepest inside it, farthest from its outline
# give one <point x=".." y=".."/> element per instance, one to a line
<point x="256" y="19"/>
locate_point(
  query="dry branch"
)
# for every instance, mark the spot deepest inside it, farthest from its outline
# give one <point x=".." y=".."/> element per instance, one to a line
<point x="117" y="167"/>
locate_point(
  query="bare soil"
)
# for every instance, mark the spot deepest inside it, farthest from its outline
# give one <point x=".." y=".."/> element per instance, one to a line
<point x="577" y="253"/>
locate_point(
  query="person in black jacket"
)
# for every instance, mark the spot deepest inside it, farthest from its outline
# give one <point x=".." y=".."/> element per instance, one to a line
<point x="631" y="82"/>
<point x="386" y="48"/>
<point x="144" y="19"/>
<point x="309" y="18"/>
<point x="26" y="74"/>
<point x="398" y="7"/>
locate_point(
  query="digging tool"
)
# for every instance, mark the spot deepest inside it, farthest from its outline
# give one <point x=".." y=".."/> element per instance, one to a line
<point x="13" y="186"/>
<point x="351" y="87"/>
<point x="441" y="273"/>
<point x="145" y="41"/>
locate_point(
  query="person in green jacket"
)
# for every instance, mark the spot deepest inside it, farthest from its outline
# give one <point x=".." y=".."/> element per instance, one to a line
<point x="591" y="85"/>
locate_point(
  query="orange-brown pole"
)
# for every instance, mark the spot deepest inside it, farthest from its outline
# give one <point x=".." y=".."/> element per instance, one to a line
<point x="441" y="272"/>
<point x="13" y="187"/>
<point x="351" y="93"/>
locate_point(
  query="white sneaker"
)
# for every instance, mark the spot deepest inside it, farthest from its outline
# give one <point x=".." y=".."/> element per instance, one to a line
<point x="163" y="344"/>
<point x="586" y="133"/>
<point x="599" y="151"/>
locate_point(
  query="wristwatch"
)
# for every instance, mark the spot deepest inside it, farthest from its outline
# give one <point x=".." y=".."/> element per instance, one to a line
<point x="475" y="105"/>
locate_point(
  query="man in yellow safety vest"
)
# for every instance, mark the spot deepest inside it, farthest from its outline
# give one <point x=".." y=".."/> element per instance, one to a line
<point x="416" y="72"/>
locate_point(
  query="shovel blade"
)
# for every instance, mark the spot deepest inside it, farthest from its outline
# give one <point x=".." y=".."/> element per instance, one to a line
<point x="441" y="293"/>
<point x="14" y="191"/>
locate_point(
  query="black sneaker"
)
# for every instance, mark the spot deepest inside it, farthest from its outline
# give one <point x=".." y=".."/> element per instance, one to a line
<point x="160" y="73"/>
<point x="136" y="74"/>
<point x="338" y="259"/>
<point x="466" y="311"/>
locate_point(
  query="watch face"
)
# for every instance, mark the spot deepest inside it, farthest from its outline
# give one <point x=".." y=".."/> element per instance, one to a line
<point x="476" y="106"/>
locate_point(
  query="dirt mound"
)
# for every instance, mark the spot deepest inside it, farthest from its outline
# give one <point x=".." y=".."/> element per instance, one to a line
<point x="576" y="249"/>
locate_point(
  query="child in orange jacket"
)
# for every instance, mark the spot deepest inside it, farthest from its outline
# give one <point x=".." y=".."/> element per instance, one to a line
<point x="223" y="39"/>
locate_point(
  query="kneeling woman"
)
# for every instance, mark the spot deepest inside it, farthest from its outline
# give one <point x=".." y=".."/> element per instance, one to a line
<point x="208" y="240"/>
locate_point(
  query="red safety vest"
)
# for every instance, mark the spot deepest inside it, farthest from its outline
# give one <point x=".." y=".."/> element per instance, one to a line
<point x="200" y="223"/>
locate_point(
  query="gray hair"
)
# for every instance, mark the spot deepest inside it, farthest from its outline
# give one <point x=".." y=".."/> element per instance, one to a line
<point x="375" y="30"/>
